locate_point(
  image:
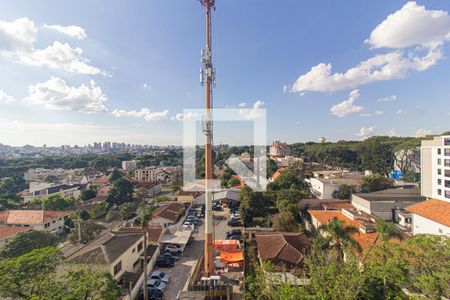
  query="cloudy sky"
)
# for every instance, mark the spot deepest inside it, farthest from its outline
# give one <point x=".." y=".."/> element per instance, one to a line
<point x="75" y="72"/>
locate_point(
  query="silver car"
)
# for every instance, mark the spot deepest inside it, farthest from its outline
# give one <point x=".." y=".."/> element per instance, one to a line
<point x="164" y="277"/>
<point x="156" y="284"/>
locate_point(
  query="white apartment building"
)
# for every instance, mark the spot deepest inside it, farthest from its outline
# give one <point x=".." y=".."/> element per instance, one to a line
<point x="65" y="190"/>
<point x="435" y="168"/>
<point x="323" y="187"/>
<point x="129" y="165"/>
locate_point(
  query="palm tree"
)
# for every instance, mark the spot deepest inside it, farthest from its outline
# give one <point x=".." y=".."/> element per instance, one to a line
<point x="339" y="236"/>
<point x="386" y="231"/>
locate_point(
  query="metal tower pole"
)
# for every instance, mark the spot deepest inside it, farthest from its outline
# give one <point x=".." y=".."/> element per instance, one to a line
<point x="208" y="74"/>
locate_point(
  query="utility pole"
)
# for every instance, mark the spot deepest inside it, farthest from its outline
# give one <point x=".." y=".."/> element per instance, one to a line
<point x="79" y="228"/>
<point x="207" y="78"/>
<point x="144" y="232"/>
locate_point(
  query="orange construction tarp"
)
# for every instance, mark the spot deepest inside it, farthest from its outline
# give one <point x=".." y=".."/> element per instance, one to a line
<point x="226" y="244"/>
<point x="232" y="257"/>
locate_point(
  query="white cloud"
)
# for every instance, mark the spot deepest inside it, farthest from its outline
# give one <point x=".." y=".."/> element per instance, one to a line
<point x="146" y="86"/>
<point x="297" y="123"/>
<point x="365" y="131"/>
<point x="189" y="116"/>
<point x="401" y="112"/>
<point x="252" y="113"/>
<point x="5" y="98"/>
<point x="412" y="25"/>
<point x="347" y="107"/>
<point x="388" y="98"/>
<point x="242" y="104"/>
<point x="403" y="30"/>
<point x="145" y="113"/>
<point x="422" y="132"/>
<point x="17" y="43"/>
<point x="392" y="132"/>
<point x="379" y="112"/>
<point x="392" y="65"/>
<point x="55" y="94"/>
<point x="365" y="115"/>
<point x="285" y="88"/>
<point x="71" y="30"/>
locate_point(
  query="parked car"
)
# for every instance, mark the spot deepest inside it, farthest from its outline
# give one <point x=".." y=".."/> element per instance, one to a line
<point x="216" y="207"/>
<point x="188" y="225"/>
<point x="153" y="294"/>
<point x="169" y="256"/>
<point x="192" y="219"/>
<point x="156" y="284"/>
<point x="234" y="223"/>
<point x="162" y="262"/>
<point x="233" y="237"/>
<point x="173" y="249"/>
<point x="236" y="216"/>
<point x="234" y="232"/>
<point x="164" y="277"/>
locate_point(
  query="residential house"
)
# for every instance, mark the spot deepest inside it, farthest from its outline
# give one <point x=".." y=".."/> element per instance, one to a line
<point x="167" y="214"/>
<point x="187" y="196"/>
<point x="7" y="232"/>
<point x="99" y="181"/>
<point x="430" y="216"/>
<point x="324" y="187"/>
<point x="152" y="188"/>
<point x="285" y="250"/>
<point x="366" y="234"/>
<point x="277" y="174"/>
<point x="384" y="203"/>
<point x="64" y="190"/>
<point x="119" y="253"/>
<point x="154" y="232"/>
<point x="51" y="221"/>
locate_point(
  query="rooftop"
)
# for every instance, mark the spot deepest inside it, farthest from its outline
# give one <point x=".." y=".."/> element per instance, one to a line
<point x="105" y="249"/>
<point x="34" y="217"/>
<point x="10" y="231"/>
<point x="282" y="246"/>
<point x="170" y="211"/>
<point x="396" y="195"/>
<point x="433" y="209"/>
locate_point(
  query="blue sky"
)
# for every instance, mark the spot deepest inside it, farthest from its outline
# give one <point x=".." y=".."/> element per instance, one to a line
<point x="90" y="82"/>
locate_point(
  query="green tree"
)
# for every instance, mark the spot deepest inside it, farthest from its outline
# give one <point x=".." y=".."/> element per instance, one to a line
<point x="27" y="241"/>
<point x="51" y="178"/>
<point x="115" y="175"/>
<point x="285" y="221"/>
<point x="339" y="237"/>
<point x="378" y="156"/>
<point x="345" y="191"/>
<point x="55" y="202"/>
<point x="428" y="265"/>
<point x="84" y="215"/>
<point x="87" y="194"/>
<point x="127" y="209"/>
<point x="375" y="183"/>
<point x="89" y="231"/>
<point x="121" y="192"/>
<point x="234" y="182"/>
<point x="22" y="277"/>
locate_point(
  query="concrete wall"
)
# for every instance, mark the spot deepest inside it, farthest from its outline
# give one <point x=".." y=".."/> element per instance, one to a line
<point x="421" y="225"/>
<point x="128" y="259"/>
<point x="151" y="264"/>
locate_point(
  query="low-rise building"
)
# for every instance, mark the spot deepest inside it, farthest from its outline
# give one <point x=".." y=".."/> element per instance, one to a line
<point x="324" y="187"/>
<point x="286" y="250"/>
<point x="279" y="149"/>
<point x="151" y="188"/>
<point x="51" y="221"/>
<point x="167" y="214"/>
<point x="187" y="196"/>
<point x="129" y="165"/>
<point x="64" y="190"/>
<point x="384" y="203"/>
<point x="8" y="232"/>
<point x="430" y="216"/>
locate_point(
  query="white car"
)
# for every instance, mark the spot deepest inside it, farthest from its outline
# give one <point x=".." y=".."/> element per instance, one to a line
<point x="173" y="249"/>
<point x="235" y="216"/>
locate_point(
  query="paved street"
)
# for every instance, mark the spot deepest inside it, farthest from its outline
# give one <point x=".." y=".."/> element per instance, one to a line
<point x="179" y="274"/>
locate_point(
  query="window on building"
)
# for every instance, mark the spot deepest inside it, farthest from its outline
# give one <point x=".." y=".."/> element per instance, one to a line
<point x="139" y="247"/>
<point x="439" y="192"/>
<point x="447" y="183"/>
<point x="447" y="162"/>
<point x="439" y="171"/>
<point x="46" y="225"/>
<point x="439" y="151"/>
<point x="441" y="231"/>
<point x="447" y="141"/>
<point x="447" y="194"/>
<point x="447" y="152"/>
<point x="447" y="173"/>
<point x="117" y="267"/>
<point x="439" y="161"/>
<point x="439" y="181"/>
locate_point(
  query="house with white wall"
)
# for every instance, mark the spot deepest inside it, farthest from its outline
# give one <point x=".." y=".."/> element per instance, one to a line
<point x="51" y="221"/>
<point x="430" y="217"/>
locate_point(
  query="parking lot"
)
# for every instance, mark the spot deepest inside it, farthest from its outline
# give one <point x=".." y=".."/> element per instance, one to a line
<point x="179" y="274"/>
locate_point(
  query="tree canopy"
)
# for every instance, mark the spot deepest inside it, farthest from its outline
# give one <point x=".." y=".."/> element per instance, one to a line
<point x="27" y="241"/>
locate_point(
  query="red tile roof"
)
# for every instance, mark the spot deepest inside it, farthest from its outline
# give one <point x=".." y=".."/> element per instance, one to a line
<point x="101" y="180"/>
<point x="30" y="216"/>
<point x="325" y="216"/>
<point x="169" y="211"/>
<point x="153" y="232"/>
<point x="336" y="205"/>
<point x="433" y="209"/>
<point x="282" y="247"/>
<point x="278" y="173"/>
<point x="10" y="231"/>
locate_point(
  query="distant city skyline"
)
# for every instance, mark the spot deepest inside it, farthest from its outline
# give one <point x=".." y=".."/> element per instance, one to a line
<point x="125" y="71"/>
